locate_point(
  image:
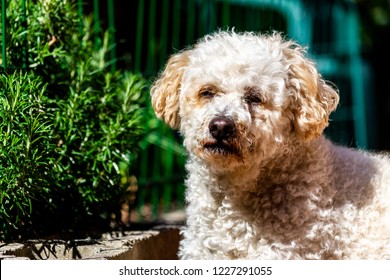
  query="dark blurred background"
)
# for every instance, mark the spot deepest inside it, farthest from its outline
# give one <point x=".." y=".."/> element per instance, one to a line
<point x="374" y="30"/>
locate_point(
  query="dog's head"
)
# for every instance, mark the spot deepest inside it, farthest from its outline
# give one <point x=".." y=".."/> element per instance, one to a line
<point x="234" y="96"/>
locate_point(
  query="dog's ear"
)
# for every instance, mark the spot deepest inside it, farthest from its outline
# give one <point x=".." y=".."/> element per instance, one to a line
<point x="165" y="91"/>
<point x="312" y="98"/>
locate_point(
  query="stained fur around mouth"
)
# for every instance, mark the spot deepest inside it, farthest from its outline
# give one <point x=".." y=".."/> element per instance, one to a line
<point x="222" y="148"/>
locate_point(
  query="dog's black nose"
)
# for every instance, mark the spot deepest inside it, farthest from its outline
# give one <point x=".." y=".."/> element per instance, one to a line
<point x="221" y="128"/>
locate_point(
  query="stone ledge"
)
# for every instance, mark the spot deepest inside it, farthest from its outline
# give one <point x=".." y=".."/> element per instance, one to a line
<point x="155" y="244"/>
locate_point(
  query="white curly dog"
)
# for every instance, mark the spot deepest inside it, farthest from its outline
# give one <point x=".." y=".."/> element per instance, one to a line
<point x="264" y="183"/>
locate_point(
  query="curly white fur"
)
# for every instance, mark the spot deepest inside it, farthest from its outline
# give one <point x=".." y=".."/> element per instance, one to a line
<point x="267" y="184"/>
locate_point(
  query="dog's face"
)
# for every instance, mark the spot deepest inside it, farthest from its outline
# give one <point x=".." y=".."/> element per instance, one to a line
<point x="239" y="96"/>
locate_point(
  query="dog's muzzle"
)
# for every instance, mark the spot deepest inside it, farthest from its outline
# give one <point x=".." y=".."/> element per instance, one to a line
<point x="223" y="132"/>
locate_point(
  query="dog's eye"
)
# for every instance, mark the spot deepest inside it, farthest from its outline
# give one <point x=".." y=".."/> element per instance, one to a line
<point x="254" y="99"/>
<point x="207" y="92"/>
<point x="253" y="96"/>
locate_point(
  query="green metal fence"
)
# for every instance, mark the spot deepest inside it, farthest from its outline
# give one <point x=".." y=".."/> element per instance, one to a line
<point x="146" y="32"/>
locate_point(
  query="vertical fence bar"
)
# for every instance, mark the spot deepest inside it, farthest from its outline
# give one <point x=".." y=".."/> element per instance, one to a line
<point x="138" y="41"/>
<point x="210" y="17"/>
<point x="168" y="158"/>
<point x="111" y="30"/>
<point x="3" y="37"/>
<point x="143" y="180"/>
<point x="96" y="22"/>
<point x="156" y="181"/>
<point x="181" y="187"/>
<point x="164" y="32"/>
<point x="176" y="24"/>
<point x="225" y="14"/>
<point x="191" y="27"/>
<point x="359" y="109"/>
<point x="150" y="64"/>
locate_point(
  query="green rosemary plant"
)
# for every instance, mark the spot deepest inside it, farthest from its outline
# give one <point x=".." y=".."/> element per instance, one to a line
<point x="69" y="124"/>
<point x="26" y="147"/>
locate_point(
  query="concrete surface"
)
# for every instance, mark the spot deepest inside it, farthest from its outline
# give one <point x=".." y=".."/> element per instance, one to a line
<point x="156" y="244"/>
